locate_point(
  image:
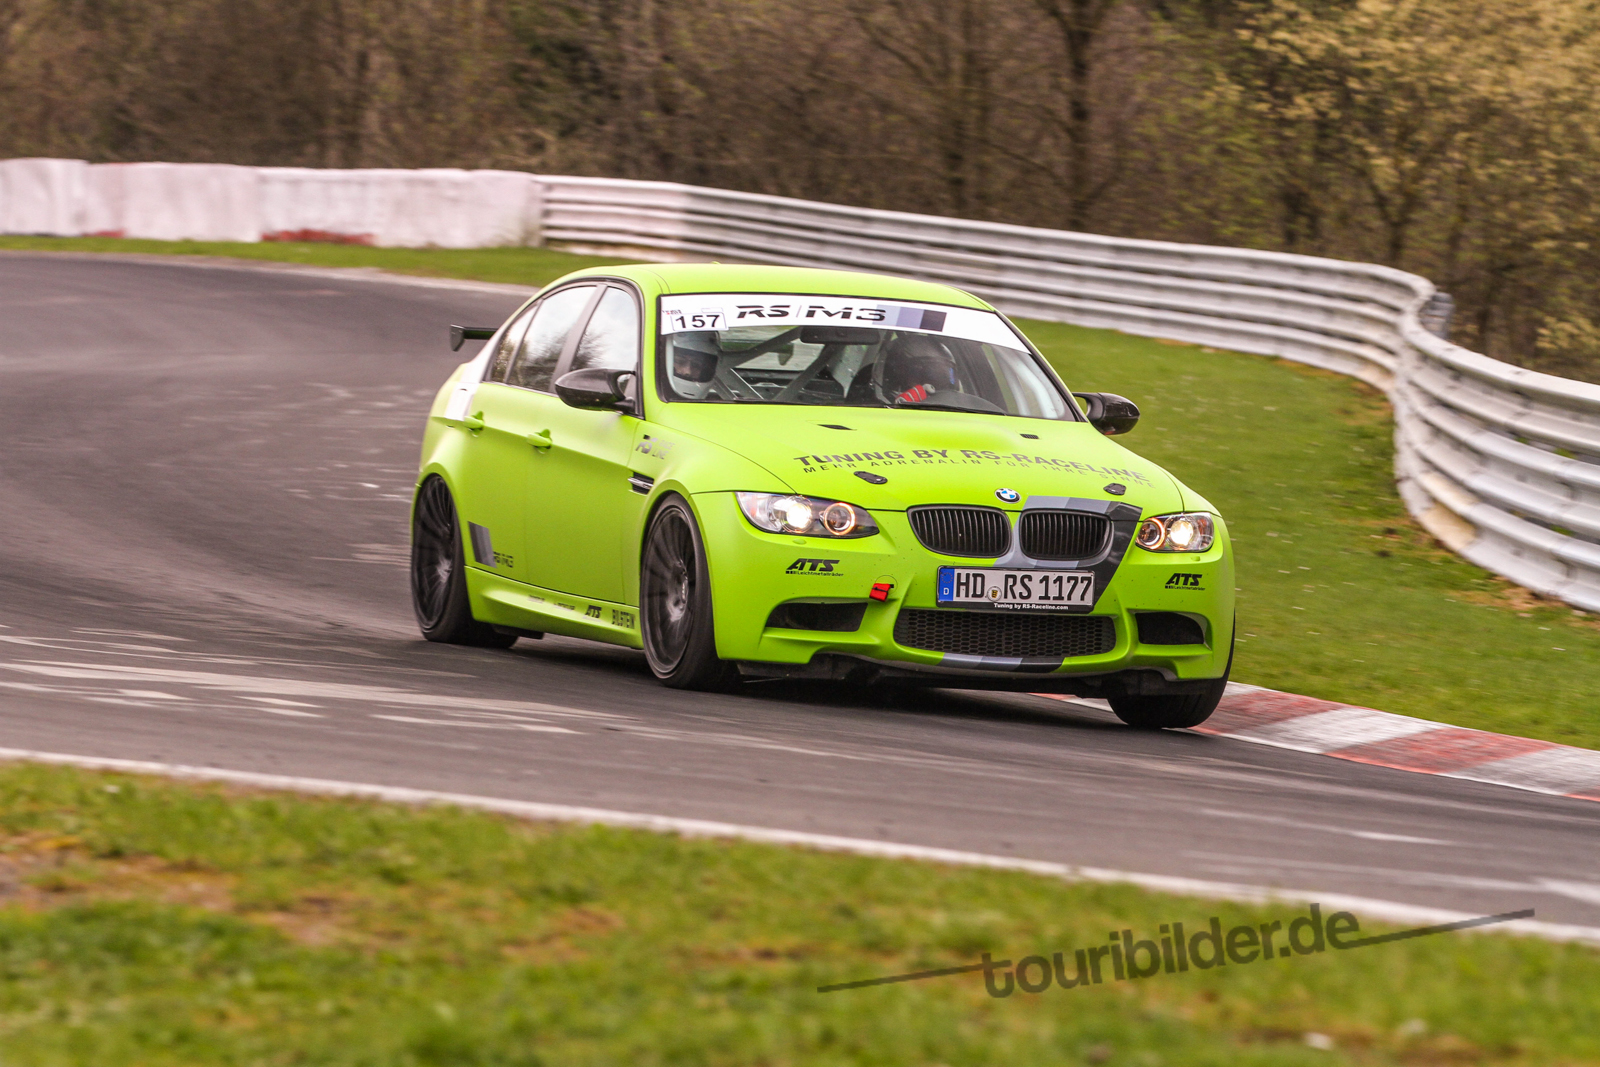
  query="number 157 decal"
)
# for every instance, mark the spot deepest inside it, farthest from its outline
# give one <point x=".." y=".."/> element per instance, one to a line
<point x="704" y="319"/>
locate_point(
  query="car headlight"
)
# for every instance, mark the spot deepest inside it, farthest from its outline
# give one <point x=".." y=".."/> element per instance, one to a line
<point x="1185" y="532"/>
<point x="805" y="515"/>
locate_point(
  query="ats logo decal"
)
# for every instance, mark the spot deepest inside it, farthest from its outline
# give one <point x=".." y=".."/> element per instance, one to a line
<point x="1184" y="581"/>
<point x="812" y="566"/>
<point x="592" y="611"/>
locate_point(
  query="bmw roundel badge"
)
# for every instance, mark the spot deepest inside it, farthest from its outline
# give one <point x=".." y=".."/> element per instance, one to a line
<point x="1010" y="496"/>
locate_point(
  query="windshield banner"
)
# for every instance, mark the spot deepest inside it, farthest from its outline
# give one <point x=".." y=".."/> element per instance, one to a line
<point x="727" y="311"/>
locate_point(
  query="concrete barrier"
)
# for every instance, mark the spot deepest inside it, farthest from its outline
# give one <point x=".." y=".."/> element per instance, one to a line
<point x="437" y="208"/>
<point x="42" y="196"/>
<point x="173" y="201"/>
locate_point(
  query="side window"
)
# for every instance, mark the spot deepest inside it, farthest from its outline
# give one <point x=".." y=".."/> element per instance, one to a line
<point x="508" y="347"/>
<point x="611" y="340"/>
<point x="541" y="346"/>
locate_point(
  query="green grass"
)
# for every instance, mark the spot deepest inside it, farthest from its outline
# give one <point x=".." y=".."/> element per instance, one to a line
<point x="1342" y="596"/>
<point x="149" y="922"/>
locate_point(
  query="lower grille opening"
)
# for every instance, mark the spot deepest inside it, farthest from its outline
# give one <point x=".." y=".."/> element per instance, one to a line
<point x="983" y="633"/>
<point x="1168" y="628"/>
<point x="834" y="618"/>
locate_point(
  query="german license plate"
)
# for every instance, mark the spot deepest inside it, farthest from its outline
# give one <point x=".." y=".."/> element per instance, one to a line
<point x="1021" y="590"/>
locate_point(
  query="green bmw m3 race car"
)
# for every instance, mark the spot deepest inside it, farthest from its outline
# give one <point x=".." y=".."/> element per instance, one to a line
<point x="772" y="472"/>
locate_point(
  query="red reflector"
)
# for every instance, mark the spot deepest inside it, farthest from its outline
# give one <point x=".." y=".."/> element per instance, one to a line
<point x="880" y="590"/>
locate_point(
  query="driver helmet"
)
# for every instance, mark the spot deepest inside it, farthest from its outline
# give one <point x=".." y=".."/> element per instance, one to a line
<point x="916" y="366"/>
<point x="692" y="364"/>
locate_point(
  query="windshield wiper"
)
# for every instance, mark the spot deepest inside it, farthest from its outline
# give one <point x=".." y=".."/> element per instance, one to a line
<point x="934" y="404"/>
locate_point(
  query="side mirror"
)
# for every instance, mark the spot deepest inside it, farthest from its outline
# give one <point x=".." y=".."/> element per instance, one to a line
<point x="461" y="334"/>
<point x="1109" y="413"/>
<point x="595" y="387"/>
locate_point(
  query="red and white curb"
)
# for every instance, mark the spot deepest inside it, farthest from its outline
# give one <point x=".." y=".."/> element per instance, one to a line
<point x="1383" y="739"/>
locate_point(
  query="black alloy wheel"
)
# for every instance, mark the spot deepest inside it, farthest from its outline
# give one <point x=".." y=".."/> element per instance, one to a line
<point x="438" y="574"/>
<point x="1174" y="712"/>
<point x="675" y="604"/>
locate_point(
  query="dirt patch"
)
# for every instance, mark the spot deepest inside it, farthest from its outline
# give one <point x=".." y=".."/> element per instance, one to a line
<point x="1434" y="1050"/>
<point x="38" y="872"/>
<point x="1528" y="604"/>
<point x="1366" y="407"/>
<point x="42" y="872"/>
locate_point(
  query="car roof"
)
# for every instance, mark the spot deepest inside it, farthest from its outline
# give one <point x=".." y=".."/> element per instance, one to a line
<point x="743" y="278"/>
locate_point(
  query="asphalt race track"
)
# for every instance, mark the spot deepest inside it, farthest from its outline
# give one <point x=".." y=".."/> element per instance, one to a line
<point x="203" y="508"/>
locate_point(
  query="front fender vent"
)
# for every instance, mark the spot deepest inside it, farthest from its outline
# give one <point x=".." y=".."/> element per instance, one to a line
<point x="952" y="530"/>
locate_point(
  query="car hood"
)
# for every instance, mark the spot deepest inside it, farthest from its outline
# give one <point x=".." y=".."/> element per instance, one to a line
<point x="931" y="457"/>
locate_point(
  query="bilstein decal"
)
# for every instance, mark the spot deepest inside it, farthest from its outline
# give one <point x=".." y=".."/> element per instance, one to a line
<point x="811" y="464"/>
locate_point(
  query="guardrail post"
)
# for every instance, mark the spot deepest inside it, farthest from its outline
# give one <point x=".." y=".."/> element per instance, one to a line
<point x="534" y="213"/>
<point x="1437" y="313"/>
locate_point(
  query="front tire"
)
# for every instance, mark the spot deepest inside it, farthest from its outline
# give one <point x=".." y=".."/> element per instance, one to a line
<point x="1176" y="712"/>
<point x="439" y="574"/>
<point x="675" y="604"/>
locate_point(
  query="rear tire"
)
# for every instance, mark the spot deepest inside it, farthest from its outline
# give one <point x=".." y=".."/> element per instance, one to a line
<point x="675" y="614"/>
<point x="439" y="574"/>
<point x="1176" y="712"/>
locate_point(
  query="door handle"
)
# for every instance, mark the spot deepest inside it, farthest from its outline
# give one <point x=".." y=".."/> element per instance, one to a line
<point x="540" y="440"/>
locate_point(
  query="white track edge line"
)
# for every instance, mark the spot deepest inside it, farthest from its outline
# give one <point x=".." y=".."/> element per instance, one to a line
<point x="1381" y="910"/>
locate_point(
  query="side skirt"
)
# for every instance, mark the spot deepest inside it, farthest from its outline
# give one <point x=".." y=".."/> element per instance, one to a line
<point x="501" y="601"/>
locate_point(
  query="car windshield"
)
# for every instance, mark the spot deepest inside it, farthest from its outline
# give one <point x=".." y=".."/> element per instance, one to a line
<point x="839" y="351"/>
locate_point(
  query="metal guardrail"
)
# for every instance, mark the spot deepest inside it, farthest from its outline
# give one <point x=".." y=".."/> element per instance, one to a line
<point x="1501" y="464"/>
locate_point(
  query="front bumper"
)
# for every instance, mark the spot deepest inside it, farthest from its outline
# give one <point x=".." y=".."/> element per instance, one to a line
<point x="753" y="572"/>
